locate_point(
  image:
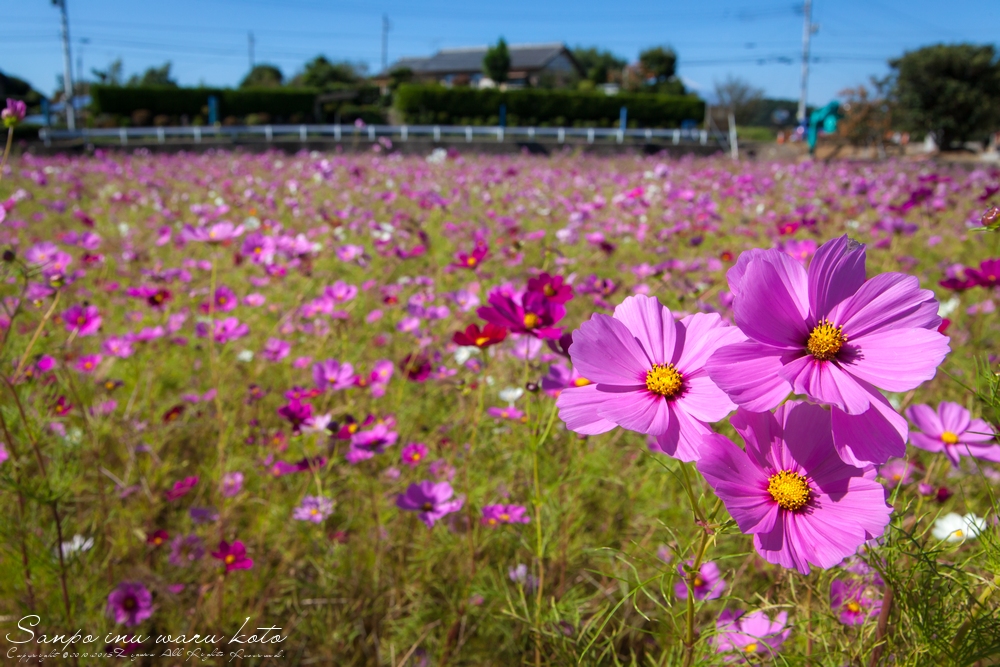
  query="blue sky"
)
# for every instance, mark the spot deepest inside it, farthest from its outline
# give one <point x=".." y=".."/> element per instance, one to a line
<point x="206" y="40"/>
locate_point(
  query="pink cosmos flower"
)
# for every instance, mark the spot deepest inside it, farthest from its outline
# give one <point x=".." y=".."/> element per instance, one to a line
<point x="494" y="515"/>
<point x="708" y="582"/>
<point x="220" y="232"/>
<point x="431" y="501"/>
<point x="414" y="453"/>
<point x="276" y="349"/>
<point x="952" y="430"/>
<point x="854" y="602"/>
<point x="313" y="508"/>
<point x="130" y="603"/>
<point x="366" y="444"/>
<point x="232" y="483"/>
<point x="791" y="491"/>
<point x="88" y="363"/>
<point x="83" y="320"/>
<point x="13" y="113"/>
<point x="831" y="335"/>
<point x="647" y="374"/>
<point x="234" y="556"/>
<point x="225" y="299"/>
<point x="750" y="634"/>
<point x="331" y="375"/>
<point x="225" y="330"/>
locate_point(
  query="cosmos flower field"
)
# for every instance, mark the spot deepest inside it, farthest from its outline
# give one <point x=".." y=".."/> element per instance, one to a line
<point x="487" y="410"/>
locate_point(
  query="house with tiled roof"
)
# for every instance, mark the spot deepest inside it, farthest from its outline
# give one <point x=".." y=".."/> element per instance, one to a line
<point x="530" y="64"/>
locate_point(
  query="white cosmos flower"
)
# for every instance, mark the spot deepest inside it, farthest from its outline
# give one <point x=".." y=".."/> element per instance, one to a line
<point x="78" y="543"/>
<point x="464" y="353"/>
<point x="511" y="394"/>
<point x="957" y="528"/>
<point x="245" y="356"/>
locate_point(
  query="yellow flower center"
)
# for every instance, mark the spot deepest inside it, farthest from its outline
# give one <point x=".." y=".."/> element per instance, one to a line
<point x="230" y="559"/>
<point x="853" y="607"/>
<point x="314" y="511"/>
<point x="505" y="517"/>
<point x="825" y="341"/>
<point x="416" y="456"/>
<point x="664" y="380"/>
<point x="491" y="521"/>
<point x="427" y="507"/>
<point x="949" y="438"/>
<point x="530" y="320"/>
<point x="581" y="382"/>
<point x="471" y="261"/>
<point x="698" y="581"/>
<point x="750" y="648"/>
<point x="957" y="533"/>
<point x="482" y="340"/>
<point x="789" y="489"/>
<point x="549" y="291"/>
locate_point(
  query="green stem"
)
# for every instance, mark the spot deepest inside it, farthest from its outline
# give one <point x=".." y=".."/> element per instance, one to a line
<point x="6" y="151"/>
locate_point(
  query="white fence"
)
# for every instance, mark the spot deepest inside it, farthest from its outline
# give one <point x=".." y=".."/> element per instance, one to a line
<point x="373" y="133"/>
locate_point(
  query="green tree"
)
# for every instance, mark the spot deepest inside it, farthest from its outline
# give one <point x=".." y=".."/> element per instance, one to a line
<point x="599" y="66"/>
<point x="659" y="63"/>
<point x="154" y="76"/>
<point x="496" y="62"/>
<point x="321" y="73"/>
<point x="949" y="90"/>
<point x="114" y="75"/>
<point x="263" y="76"/>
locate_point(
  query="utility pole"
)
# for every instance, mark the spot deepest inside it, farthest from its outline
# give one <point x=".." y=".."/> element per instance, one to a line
<point x="807" y="30"/>
<point x="250" y="45"/>
<point x="80" y="79"/>
<point x="385" y="41"/>
<point x="67" y="67"/>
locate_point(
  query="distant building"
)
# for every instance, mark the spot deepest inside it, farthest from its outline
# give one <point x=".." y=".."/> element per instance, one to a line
<point x="530" y="64"/>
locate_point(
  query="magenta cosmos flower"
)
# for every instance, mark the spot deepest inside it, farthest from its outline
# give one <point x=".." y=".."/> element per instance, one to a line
<point x="84" y="320"/>
<point x="494" y="515"/>
<point x="130" y="603"/>
<point x="952" y="430"/>
<point x="831" y="335"/>
<point x="233" y="556"/>
<point x="708" y="583"/>
<point x="431" y="501"/>
<point x="789" y="489"/>
<point x="752" y="634"/>
<point x="854" y="602"/>
<point x="647" y="374"/>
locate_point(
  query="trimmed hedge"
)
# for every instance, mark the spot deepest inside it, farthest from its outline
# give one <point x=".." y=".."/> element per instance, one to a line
<point x="164" y="100"/>
<point x="431" y="104"/>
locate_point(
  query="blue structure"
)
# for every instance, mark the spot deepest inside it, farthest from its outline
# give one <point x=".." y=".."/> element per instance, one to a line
<point x="213" y="109"/>
<point x="825" y="118"/>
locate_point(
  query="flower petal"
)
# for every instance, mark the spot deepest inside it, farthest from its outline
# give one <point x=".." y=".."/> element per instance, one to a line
<point x="605" y="351"/>
<point x="897" y="359"/>
<point x="836" y="271"/>
<point x="826" y="382"/>
<point x="651" y="323"/>
<point x="750" y="373"/>
<point x="768" y="310"/>
<point x="578" y="409"/>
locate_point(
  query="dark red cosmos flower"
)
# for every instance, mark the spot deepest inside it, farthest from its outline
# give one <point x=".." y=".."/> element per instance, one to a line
<point x="535" y="315"/>
<point x="63" y="406"/>
<point x="417" y="368"/>
<point x="726" y="256"/>
<point x="473" y="336"/>
<point x="173" y="414"/>
<point x="158" y="298"/>
<point x="553" y="288"/>
<point x="157" y="538"/>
